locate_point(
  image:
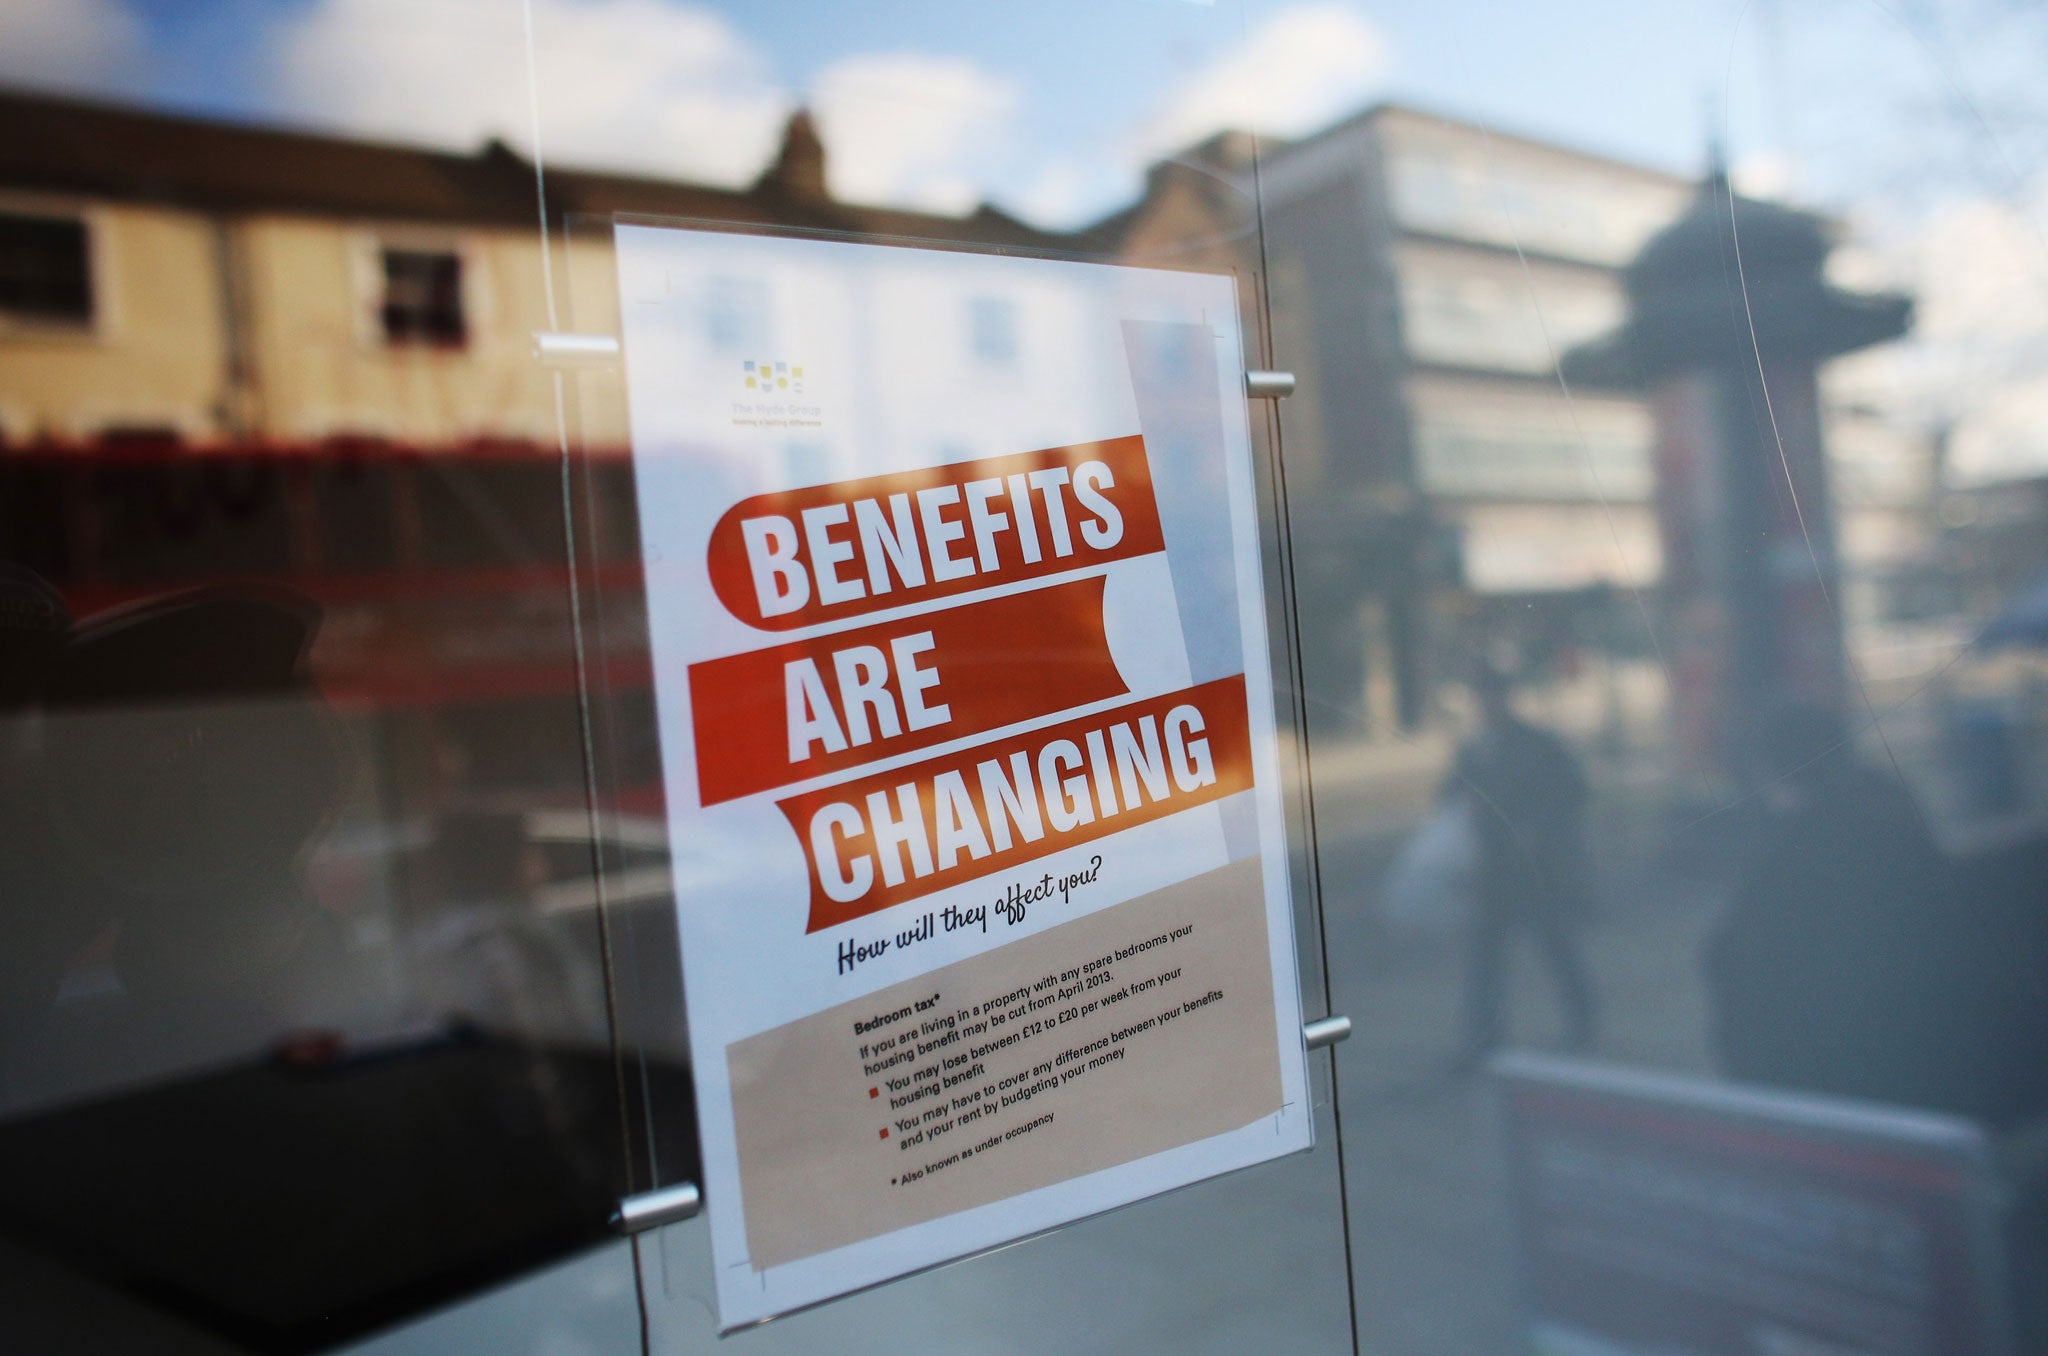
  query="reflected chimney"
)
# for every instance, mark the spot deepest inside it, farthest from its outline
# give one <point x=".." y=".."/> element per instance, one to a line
<point x="799" y="168"/>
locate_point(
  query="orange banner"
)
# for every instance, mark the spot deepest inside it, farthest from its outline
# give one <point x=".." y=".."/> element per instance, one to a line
<point x="771" y="717"/>
<point x="879" y="840"/>
<point x="826" y="552"/>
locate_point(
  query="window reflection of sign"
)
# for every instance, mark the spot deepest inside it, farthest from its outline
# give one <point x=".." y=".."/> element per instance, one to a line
<point x="1657" y="1214"/>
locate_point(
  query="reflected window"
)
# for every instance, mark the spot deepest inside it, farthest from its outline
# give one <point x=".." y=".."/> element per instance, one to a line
<point x="1500" y="313"/>
<point x="423" y="298"/>
<point x="45" y="270"/>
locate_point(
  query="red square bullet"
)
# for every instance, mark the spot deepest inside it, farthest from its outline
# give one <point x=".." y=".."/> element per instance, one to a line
<point x="874" y="1092"/>
<point x="885" y="1132"/>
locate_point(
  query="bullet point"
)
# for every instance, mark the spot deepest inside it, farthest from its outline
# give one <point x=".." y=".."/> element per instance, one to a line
<point x="885" y="1132"/>
<point x="874" y="1092"/>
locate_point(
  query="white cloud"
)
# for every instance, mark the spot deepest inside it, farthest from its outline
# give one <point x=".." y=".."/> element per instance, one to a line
<point x="1977" y="355"/>
<point x="73" y="45"/>
<point x="1983" y="267"/>
<point x="1981" y="274"/>
<point x="912" y="130"/>
<point x="1065" y="192"/>
<point x="1771" y="174"/>
<point x="1299" y="70"/>
<point x="658" y="87"/>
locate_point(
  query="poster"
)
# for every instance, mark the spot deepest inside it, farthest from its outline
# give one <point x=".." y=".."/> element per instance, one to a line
<point x="968" y="741"/>
<point x="1682" y="1218"/>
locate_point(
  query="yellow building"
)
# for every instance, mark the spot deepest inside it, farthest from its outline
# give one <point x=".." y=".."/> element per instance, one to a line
<point x="231" y="353"/>
<point x="293" y="287"/>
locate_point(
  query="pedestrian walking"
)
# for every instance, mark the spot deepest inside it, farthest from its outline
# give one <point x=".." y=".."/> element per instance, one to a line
<point x="1526" y="796"/>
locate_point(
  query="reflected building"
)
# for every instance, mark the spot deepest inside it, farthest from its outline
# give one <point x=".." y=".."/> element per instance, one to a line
<point x="1448" y="486"/>
<point x="1994" y="542"/>
<point x="261" y="283"/>
<point x="1443" y="266"/>
<point x="1496" y="254"/>
<point x="310" y="356"/>
<point x="231" y="351"/>
<point x="1425" y="274"/>
<point x="232" y="354"/>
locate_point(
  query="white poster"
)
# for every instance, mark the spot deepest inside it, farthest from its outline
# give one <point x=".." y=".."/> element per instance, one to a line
<point x="967" y="733"/>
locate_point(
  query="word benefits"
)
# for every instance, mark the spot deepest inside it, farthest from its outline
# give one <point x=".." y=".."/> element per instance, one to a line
<point x="803" y="556"/>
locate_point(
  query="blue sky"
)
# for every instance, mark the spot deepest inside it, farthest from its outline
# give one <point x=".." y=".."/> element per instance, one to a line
<point x="1053" y="105"/>
<point x="1632" y="76"/>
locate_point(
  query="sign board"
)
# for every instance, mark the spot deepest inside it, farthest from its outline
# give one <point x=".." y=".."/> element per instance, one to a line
<point x="1666" y="1215"/>
<point x="968" y="740"/>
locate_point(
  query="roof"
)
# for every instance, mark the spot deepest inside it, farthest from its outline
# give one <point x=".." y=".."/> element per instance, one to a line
<point x="1734" y="278"/>
<point x="1390" y="109"/>
<point x="138" y="155"/>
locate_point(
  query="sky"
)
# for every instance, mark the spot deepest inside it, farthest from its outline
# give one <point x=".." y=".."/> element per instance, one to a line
<point x="1051" y="107"/>
<point x="1922" y="122"/>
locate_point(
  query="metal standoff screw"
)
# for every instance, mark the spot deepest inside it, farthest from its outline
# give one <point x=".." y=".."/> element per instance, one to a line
<point x="652" y="1209"/>
<point x="1327" y="1031"/>
<point x="1268" y="385"/>
<point x="554" y="349"/>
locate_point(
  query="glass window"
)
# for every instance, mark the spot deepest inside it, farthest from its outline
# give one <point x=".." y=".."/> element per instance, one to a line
<point x="1658" y="544"/>
<point x="422" y="302"/>
<point x="45" y="270"/>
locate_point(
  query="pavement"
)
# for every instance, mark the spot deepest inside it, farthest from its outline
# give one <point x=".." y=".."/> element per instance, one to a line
<point x="1431" y="1254"/>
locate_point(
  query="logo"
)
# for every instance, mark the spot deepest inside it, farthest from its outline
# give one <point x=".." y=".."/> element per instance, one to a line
<point x="768" y="376"/>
